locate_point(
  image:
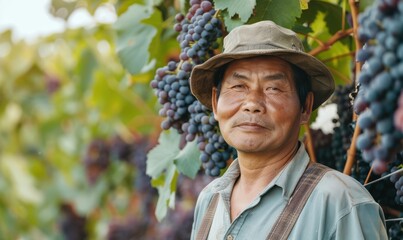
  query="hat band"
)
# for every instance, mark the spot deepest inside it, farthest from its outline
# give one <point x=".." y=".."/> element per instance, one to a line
<point x="267" y="46"/>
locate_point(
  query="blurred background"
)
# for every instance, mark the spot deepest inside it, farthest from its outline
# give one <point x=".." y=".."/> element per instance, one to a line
<point x="82" y="150"/>
<point x="75" y="125"/>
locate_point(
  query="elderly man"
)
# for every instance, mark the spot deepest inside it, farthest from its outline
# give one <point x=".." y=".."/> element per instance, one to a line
<point x="261" y="89"/>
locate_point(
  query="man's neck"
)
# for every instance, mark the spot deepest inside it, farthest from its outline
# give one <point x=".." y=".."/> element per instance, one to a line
<point x="258" y="171"/>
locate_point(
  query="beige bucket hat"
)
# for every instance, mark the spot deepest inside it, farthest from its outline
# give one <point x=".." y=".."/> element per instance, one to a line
<point x="264" y="38"/>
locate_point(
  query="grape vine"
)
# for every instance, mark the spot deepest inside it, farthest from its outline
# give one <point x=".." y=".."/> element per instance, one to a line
<point x="199" y="31"/>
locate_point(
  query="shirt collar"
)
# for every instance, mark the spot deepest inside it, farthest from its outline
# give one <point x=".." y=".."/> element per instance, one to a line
<point x="287" y="179"/>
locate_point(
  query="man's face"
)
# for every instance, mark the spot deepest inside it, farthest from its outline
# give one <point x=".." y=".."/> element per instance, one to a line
<point x="258" y="109"/>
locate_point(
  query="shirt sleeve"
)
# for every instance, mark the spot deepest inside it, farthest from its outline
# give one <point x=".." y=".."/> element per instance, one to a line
<point x="364" y="221"/>
<point x="199" y="212"/>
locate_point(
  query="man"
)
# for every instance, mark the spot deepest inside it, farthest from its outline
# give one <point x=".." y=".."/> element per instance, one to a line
<point x="261" y="89"/>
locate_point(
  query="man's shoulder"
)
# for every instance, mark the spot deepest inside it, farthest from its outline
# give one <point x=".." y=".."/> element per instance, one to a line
<point x="210" y="189"/>
<point x="338" y="186"/>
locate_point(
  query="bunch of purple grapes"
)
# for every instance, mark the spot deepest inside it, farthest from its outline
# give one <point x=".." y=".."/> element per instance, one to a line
<point x="398" y="117"/>
<point x="397" y="178"/>
<point x="214" y="150"/>
<point x="322" y="143"/>
<point x="381" y="81"/>
<point x="396" y="230"/>
<point x="72" y="226"/>
<point x="198" y="31"/>
<point x="343" y="131"/>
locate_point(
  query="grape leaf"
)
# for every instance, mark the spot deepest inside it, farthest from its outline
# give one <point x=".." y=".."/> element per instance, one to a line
<point x="244" y="9"/>
<point x="163" y="163"/>
<point x="282" y="12"/>
<point x="166" y="192"/>
<point x="333" y="14"/>
<point x="134" y="38"/>
<point x="162" y="156"/>
<point x="188" y="161"/>
<point x="85" y="68"/>
<point x="231" y="23"/>
<point x="339" y="66"/>
<point x="304" y="4"/>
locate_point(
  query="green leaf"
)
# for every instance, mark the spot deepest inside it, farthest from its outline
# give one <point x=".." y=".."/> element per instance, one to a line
<point x="304" y="4"/>
<point x="166" y="193"/>
<point x="364" y="4"/>
<point x="134" y="38"/>
<point x="184" y="6"/>
<point x="243" y="9"/>
<point x="282" y="12"/>
<point x="85" y="68"/>
<point x="188" y="161"/>
<point x="339" y="66"/>
<point x="162" y="156"/>
<point x="88" y="200"/>
<point x="231" y="23"/>
<point x="333" y="14"/>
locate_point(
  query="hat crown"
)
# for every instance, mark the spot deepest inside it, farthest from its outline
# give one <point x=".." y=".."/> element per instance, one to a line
<point x="263" y="35"/>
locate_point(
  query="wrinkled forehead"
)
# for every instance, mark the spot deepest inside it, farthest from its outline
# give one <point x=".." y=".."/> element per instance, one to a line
<point x="265" y="67"/>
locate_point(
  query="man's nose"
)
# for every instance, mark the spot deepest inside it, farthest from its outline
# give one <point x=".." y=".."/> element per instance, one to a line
<point x="254" y="102"/>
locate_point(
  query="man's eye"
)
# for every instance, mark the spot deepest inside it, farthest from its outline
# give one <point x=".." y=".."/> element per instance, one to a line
<point x="238" y="86"/>
<point x="272" y="89"/>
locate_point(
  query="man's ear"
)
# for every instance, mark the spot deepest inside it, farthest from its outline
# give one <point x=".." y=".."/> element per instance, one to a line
<point x="214" y="101"/>
<point x="307" y="110"/>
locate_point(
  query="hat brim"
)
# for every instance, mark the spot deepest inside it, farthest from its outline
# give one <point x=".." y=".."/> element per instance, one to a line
<point x="322" y="83"/>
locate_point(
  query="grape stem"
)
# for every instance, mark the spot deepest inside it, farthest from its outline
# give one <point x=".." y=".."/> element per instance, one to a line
<point x="358" y="45"/>
<point x="336" y="37"/>
<point x="368" y="176"/>
<point x="394" y="219"/>
<point x="386" y="176"/>
<point x="391" y="211"/>
<point x="309" y="140"/>
<point x="352" y="150"/>
<point x="320" y="42"/>
<point x="179" y="66"/>
<point x="339" y="56"/>
<point x="340" y="75"/>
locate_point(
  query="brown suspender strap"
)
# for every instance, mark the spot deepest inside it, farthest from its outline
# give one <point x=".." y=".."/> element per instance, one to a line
<point x="204" y="229"/>
<point x="290" y="214"/>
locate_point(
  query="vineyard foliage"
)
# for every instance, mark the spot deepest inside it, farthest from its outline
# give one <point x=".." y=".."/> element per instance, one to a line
<point x="66" y="96"/>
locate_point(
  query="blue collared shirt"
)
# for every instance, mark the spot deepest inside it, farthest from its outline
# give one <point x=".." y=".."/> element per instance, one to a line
<point x="338" y="208"/>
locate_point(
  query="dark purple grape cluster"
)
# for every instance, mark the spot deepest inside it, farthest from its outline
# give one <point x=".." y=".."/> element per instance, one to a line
<point x="361" y="169"/>
<point x="322" y="143"/>
<point x="398" y="117"/>
<point x="131" y="228"/>
<point x="71" y="224"/>
<point x="198" y="34"/>
<point x="198" y="31"/>
<point x="171" y="84"/>
<point x="96" y="159"/>
<point x="343" y="131"/>
<point x="395" y="231"/>
<point x="397" y="178"/>
<point x="214" y="150"/>
<point x="381" y="81"/>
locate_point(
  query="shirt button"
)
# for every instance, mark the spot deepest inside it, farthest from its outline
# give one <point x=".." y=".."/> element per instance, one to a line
<point x="230" y="237"/>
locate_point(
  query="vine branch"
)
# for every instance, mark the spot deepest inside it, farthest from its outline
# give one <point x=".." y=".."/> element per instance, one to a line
<point x="352" y="150"/>
<point x="336" y="37"/>
<point x="309" y="140"/>
<point x="323" y="47"/>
